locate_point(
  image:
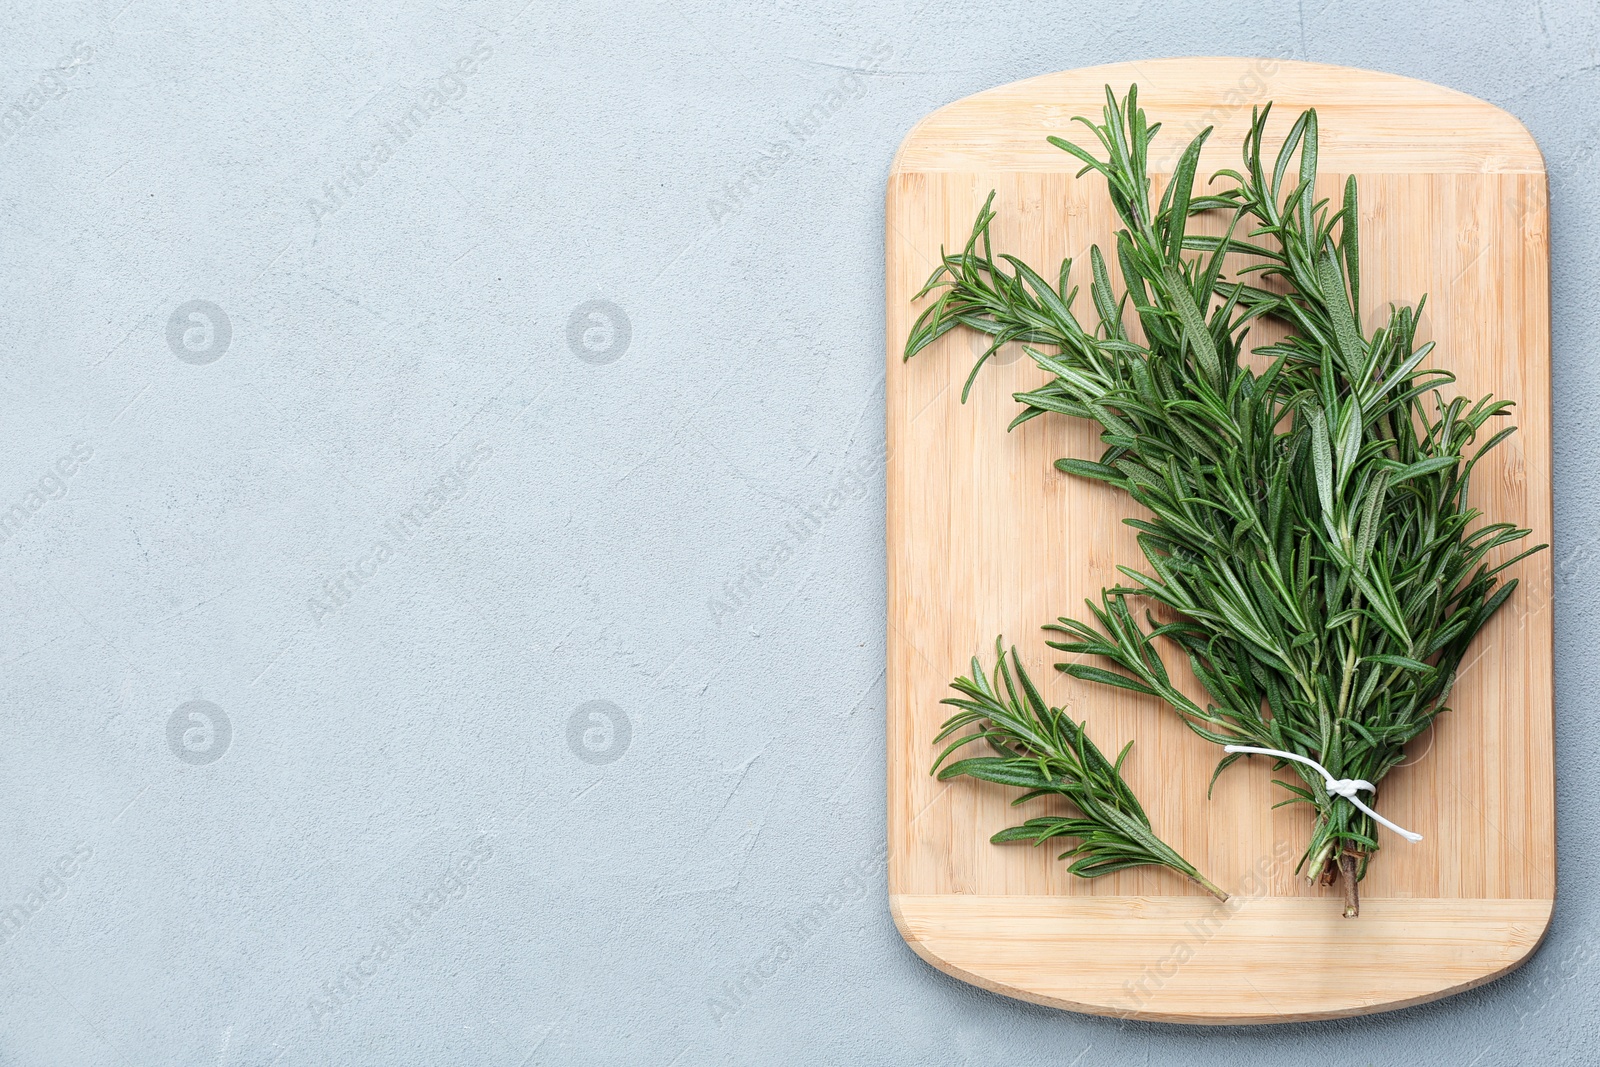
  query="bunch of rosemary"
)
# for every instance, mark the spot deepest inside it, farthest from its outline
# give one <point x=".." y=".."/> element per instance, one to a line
<point x="1308" y="524"/>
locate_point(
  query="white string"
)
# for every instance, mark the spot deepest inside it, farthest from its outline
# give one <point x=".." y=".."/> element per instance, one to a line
<point x="1345" y="787"/>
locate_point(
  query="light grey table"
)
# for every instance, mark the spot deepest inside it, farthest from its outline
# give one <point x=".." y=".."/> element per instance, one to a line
<point x="441" y="528"/>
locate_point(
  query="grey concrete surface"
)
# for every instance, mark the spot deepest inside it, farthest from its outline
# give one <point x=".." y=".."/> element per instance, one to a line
<point x="443" y="621"/>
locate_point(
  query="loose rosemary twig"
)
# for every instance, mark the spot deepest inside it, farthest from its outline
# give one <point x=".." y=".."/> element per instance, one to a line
<point x="1043" y="751"/>
<point x="1307" y="525"/>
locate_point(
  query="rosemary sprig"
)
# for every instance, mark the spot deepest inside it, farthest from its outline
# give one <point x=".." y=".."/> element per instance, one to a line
<point x="1308" y="524"/>
<point x="1043" y="751"/>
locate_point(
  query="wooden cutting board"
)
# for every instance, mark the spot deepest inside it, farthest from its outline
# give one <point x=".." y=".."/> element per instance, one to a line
<point x="985" y="538"/>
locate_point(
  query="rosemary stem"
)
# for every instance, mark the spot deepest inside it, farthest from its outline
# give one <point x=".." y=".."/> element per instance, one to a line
<point x="1352" y="891"/>
<point x="1204" y="883"/>
<point x="1318" y="862"/>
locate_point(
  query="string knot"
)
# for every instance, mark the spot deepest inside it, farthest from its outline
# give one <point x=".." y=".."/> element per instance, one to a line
<point x="1344" y="787"/>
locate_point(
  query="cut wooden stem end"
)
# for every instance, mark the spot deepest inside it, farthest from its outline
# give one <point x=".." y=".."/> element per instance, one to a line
<point x="1348" y="866"/>
<point x="1201" y="881"/>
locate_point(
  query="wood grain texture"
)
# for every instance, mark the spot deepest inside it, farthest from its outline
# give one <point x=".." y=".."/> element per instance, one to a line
<point x="1191" y="959"/>
<point x="985" y="538"/>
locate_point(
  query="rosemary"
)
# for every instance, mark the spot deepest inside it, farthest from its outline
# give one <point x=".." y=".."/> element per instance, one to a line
<point x="1043" y="751"/>
<point x="1308" y="529"/>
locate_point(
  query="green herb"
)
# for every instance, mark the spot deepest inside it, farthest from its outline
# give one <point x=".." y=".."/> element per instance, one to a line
<point x="1043" y="751"/>
<point x="1308" y="525"/>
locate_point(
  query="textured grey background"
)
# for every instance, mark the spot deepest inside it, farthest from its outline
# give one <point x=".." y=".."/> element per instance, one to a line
<point x="423" y="502"/>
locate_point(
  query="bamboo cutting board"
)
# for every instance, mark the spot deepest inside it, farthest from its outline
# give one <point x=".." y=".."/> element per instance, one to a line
<point x="985" y="538"/>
